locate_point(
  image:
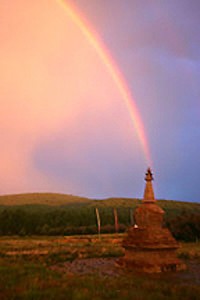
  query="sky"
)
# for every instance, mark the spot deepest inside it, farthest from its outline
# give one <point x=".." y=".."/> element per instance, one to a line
<point x="65" y="126"/>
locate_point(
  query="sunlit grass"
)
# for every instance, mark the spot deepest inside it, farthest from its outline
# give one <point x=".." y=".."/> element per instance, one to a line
<point x="189" y="251"/>
<point x="28" y="275"/>
<point x="27" y="281"/>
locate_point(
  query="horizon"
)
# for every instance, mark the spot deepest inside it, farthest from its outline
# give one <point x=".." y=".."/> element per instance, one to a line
<point x="89" y="198"/>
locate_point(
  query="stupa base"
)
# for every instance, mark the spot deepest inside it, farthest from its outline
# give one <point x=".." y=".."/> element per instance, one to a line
<point x="151" y="261"/>
<point x="149" y="247"/>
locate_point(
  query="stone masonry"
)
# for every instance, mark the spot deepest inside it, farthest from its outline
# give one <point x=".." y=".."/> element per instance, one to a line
<point x="149" y="247"/>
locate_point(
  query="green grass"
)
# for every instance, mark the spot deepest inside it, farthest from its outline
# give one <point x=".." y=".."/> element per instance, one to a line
<point x="33" y="281"/>
<point x="52" y="250"/>
<point x="55" y="199"/>
<point x="189" y="251"/>
<point x="30" y="276"/>
<point x="42" y="199"/>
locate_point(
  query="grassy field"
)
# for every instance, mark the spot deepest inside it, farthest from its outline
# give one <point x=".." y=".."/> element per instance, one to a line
<point x="55" y="199"/>
<point x="51" y="199"/>
<point x="71" y="268"/>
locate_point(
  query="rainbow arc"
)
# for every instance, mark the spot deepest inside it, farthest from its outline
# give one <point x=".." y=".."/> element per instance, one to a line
<point x="104" y="55"/>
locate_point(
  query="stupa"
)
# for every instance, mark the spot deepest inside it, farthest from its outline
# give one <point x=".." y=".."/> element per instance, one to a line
<point x="149" y="246"/>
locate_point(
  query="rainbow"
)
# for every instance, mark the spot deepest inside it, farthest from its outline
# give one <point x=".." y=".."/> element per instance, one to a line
<point x="114" y="72"/>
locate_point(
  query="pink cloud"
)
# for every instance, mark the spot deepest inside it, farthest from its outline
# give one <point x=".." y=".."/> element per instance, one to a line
<point x="50" y="79"/>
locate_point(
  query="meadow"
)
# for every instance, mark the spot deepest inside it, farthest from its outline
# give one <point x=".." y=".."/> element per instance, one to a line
<point x="50" y="249"/>
<point x="85" y="267"/>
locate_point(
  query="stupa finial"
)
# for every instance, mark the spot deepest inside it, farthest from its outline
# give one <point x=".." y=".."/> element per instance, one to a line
<point x="149" y="175"/>
<point x="148" y="192"/>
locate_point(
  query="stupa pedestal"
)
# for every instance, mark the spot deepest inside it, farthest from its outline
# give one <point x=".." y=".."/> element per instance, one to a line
<point x="149" y="247"/>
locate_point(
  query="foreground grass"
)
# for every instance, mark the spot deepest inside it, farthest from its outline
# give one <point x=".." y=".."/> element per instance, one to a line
<point x="52" y="250"/>
<point x="25" y="272"/>
<point x="27" y="281"/>
<point x="189" y="251"/>
<point x="33" y="281"/>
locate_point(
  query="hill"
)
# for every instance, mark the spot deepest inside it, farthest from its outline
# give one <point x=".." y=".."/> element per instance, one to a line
<point x="52" y="199"/>
<point x="60" y="214"/>
<point x="56" y="199"/>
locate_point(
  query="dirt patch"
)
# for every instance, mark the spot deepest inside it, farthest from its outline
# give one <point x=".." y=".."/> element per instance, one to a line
<point x="110" y="267"/>
<point x="100" y="266"/>
<point x="193" y="272"/>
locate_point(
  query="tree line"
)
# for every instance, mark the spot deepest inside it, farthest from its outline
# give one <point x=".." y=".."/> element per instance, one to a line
<point x="46" y="220"/>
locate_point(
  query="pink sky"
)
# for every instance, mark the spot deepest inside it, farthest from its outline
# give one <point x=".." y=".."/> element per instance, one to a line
<point x="52" y="81"/>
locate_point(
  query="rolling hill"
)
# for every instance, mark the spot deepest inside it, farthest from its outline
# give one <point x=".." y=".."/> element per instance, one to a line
<point x="52" y="199"/>
<point x="57" y="200"/>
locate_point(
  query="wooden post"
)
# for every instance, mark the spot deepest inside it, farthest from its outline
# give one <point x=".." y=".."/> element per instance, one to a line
<point x="98" y="221"/>
<point x="116" y="220"/>
<point x="131" y="217"/>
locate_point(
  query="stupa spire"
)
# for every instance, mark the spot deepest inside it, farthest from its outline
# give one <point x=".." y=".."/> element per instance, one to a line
<point x="149" y="246"/>
<point x="148" y="192"/>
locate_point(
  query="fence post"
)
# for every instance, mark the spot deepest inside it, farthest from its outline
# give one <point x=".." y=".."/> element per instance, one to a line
<point x="116" y="220"/>
<point x="98" y="221"/>
<point x="131" y="217"/>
